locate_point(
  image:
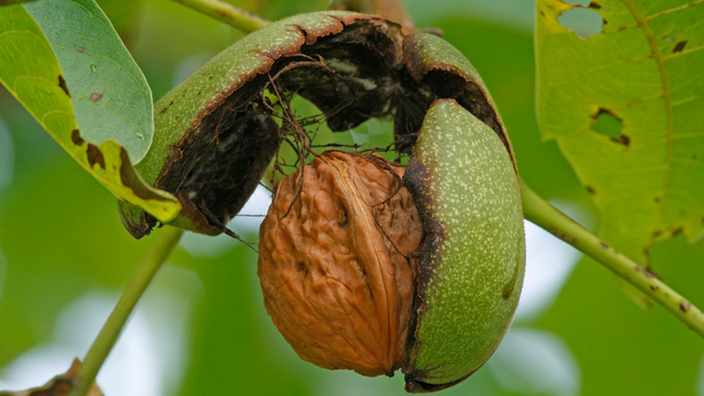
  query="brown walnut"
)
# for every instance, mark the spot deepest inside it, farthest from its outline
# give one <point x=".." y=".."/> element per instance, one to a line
<point x="337" y="267"/>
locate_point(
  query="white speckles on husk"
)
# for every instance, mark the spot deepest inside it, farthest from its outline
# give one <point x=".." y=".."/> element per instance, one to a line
<point x="472" y="266"/>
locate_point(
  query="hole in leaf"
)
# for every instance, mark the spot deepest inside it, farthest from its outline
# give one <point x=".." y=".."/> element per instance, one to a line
<point x="585" y="23"/>
<point x="607" y="123"/>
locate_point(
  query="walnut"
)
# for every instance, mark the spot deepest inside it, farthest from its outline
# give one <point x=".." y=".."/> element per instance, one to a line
<point x="337" y="267"/>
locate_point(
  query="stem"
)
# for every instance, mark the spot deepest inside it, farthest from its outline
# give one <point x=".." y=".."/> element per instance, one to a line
<point x="225" y="12"/>
<point x="549" y="218"/>
<point x="112" y="328"/>
<point x="392" y="10"/>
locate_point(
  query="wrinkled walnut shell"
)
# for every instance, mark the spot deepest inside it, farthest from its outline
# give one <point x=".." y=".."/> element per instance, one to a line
<point x="337" y="267"/>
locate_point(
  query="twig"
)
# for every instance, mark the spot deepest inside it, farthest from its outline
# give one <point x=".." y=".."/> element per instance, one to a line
<point x="392" y="10"/>
<point x="236" y="17"/>
<point x="112" y="328"/>
<point x="549" y="218"/>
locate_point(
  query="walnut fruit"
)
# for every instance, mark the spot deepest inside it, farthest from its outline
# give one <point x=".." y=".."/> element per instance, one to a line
<point x="363" y="266"/>
<point x="336" y="262"/>
<point x="359" y="272"/>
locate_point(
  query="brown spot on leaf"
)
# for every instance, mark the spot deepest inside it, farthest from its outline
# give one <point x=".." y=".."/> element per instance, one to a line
<point x="604" y="245"/>
<point x="76" y="138"/>
<point x="683" y="307"/>
<point x="677" y="231"/>
<point x="594" y="5"/>
<point x="680" y="46"/>
<point x="62" y="84"/>
<point x="590" y="189"/>
<point x="95" y="97"/>
<point x="623" y="139"/>
<point x="80" y="49"/>
<point x="95" y="156"/>
<point x="657" y="233"/>
<point x="131" y="179"/>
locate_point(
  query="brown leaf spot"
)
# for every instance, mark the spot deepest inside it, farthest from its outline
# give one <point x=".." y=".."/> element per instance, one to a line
<point x="604" y="245"/>
<point x="76" y="138"/>
<point x="590" y="189"/>
<point x="657" y="233"/>
<point x="130" y="179"/>
<point x="594" y="5"/>
<point x="683" y="307"/>
<point x="62" y="84"/>
<point x="677" y="231"/>
<point x="623" y="139"/>
<point x="95" y="156"/>
<point x="95" y="97"/>
<point x="680" y="46"/>
<point x="80" y="49"/>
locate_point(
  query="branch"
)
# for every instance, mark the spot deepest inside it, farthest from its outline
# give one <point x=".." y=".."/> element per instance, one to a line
<point x="392" y="10"/>
<point x="225" y="12"/>
<point x="549" y="218"/>
<point x="112" y="328"/>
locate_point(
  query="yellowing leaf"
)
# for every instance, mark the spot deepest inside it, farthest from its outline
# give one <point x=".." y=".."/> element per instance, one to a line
<point x="625" y="107"/>
<point x="30" y="70"/>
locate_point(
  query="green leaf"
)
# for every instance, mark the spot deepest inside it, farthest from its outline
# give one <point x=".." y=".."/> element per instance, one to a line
<point x="110" y="95"/>
<point x="31" y="72"/>
<point x="625" y="107"/>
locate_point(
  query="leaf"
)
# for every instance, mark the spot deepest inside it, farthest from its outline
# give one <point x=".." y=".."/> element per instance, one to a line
<point x="625" y="107"/>
<point x="60" y="385"/>
<point x="30" y="71"/>
<point x="110" y="95"/>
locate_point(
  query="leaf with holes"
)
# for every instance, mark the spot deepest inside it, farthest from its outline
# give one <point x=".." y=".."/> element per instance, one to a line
<point x="110" y="95"/>
<point x="625" y="108"/>
<point x="32" y="73"/>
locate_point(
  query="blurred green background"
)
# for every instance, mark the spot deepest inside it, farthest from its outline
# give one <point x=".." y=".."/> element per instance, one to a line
<point x="202" y="329"/>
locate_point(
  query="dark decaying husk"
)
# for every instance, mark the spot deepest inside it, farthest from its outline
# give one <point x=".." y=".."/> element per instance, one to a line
<point x="215" y="135"/>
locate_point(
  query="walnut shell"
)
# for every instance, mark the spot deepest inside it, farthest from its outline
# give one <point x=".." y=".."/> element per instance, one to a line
<point x="338" y="271"/>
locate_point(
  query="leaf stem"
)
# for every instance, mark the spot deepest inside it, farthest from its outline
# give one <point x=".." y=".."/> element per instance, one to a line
<point x="112" y="328"/>
<point x="546" y="216"/>
<point x="228" y="13"/>
<point x="392" y="10"/>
